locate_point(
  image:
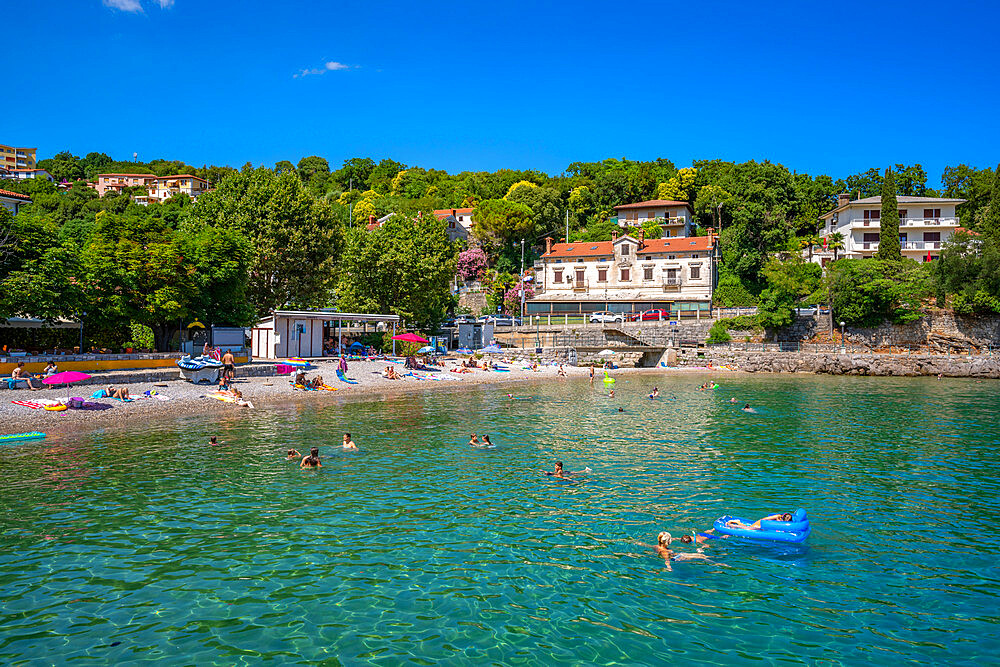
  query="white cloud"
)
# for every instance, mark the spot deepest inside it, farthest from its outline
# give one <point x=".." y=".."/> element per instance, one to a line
<point x="135" y="6"/>
<point x="331" y="66"/>
<point x="124" y="5"/>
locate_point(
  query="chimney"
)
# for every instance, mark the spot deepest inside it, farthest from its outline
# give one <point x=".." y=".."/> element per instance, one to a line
<point x="614" y="236"/>
<point x="454" y="212"/>
<point x="548" y="244"/>
<point x="711" y="236"/>
<point x="642" y="238"/>
<point x="843" y="199"/>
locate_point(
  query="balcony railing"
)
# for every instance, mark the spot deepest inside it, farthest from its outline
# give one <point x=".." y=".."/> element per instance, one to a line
<point x="581" y="286"/>
<point x="909" y="222"/>
<point x="671" y="283"/>
<point x="904" y="245"/>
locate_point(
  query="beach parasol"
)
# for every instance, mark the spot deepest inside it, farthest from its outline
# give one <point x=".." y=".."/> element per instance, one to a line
<point x="605" y="353"/>
<point x="298" y="363"/>
<point x="464" y="350"/>
<point x="426" y="349"/>
<point x="410" y="338"/>
<point x="356" y="346"/>
<point x="492" y="347"/>
<point x="66" y="377"/>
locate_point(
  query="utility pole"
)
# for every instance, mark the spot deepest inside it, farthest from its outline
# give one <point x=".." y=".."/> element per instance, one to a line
<point x="350" y="205"/>
<point x="567" y="226"/>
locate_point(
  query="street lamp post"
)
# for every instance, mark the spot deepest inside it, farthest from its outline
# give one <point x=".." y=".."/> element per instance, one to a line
<point x="843" y="347"/>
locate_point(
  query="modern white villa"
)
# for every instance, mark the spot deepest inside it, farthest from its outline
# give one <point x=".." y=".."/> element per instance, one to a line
<point x="925" y="224"/>
<point x="627" y="274"/>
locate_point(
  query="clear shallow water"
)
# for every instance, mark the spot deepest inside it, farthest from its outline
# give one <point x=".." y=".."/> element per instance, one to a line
<point x="132" y="546"/>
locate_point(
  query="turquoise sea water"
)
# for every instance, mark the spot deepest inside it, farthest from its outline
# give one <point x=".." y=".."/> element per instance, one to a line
<point x="145" y="544"/>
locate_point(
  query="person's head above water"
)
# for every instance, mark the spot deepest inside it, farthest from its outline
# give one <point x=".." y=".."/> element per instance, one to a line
<point x="687" y="539"/>
<point x="664" y="539"/>
<point x="314" y="451"/>
<point x="213" y="440"/>
<point x="621" y="409"/>
<point x="786" y="517"/>
<point x="559" y="466"/>
<point x="746" y="406"/>
<point x="486" y="439"/>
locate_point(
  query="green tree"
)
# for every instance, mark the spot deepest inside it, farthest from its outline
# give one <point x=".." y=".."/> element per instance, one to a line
<point x="545" y="204"/>
<point x="787" y="282"/>
<point x="969" y="269"/>
<point x="680" y="187"/>
<point x="314" y="172"/>
<point x="868" y="292"/>
<point x="404" y="267"/>
<point x="282" y="166"/>
<point x="888" y="244"/>
<point x="835" y="242"/>
<point x="502" y="221"/>
<point x="990" y="224"/>
<point x="295" y="239"/>
<point x="971" y="184"/>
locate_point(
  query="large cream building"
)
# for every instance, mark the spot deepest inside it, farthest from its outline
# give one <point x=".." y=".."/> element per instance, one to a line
<point x="626" y="274"/>
<point x="159" y="188"/>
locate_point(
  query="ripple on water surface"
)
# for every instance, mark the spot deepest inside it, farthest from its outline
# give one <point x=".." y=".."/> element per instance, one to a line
<point x="129" y="546"/>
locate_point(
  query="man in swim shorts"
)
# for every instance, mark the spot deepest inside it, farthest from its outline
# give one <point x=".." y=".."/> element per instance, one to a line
<point x="348" y="443"/>
<point x="229" y="364"/>
<point x="311" y="461"/>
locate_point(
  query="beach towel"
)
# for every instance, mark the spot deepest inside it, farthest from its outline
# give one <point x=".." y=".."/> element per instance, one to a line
<point x="29" y="404"/>
<point x="100" y="393"/>
<point x="327" y="387"/>
<point x="344" y="378"/>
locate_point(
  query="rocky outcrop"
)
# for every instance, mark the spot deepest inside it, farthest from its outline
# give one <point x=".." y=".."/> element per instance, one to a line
<point x="980" y="366"/>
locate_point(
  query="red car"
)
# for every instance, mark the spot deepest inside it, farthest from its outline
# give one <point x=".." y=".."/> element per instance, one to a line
<point x="655" y="315"/>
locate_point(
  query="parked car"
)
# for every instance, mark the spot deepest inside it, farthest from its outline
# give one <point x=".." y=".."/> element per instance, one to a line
<point x="459" y="319"/>
<point x="812" y="311"/>
<point x="653" y="315"/>
<point x="607" y="316"/>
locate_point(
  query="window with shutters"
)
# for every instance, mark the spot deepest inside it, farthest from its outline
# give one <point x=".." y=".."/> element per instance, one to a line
<point x="647" y="273"/>
<point x="557" y="276"/>
<point x="695" y="272"/>
<point x="602" y="275"/>
<point x="579" y="275"/>
<point x="625" y="276"/>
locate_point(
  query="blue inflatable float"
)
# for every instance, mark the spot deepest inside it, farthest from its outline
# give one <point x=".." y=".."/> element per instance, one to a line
<point x="795" y="531"/>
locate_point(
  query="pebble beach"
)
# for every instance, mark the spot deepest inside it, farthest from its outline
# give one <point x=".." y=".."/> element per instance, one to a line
<point x="184" y="398"/>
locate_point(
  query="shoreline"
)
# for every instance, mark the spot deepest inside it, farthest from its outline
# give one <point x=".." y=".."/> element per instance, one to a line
<point x="268" y="392"/>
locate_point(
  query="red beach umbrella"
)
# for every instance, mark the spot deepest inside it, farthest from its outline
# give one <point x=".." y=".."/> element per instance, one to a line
<point x="410" y="338"/>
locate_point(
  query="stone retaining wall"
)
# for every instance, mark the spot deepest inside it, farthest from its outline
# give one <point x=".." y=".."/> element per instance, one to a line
<point x="559" y="355"/>
<point x="980" y="366"/>
<point x="151" y="375"/>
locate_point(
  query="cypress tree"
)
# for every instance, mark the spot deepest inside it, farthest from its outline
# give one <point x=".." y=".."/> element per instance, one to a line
<point x="888" y="240"/>
<point x="990" y="225"/>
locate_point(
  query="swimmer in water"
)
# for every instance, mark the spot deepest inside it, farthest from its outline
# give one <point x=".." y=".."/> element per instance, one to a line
<point x="732" y="400"/>
<point x="656" y="392"/>
<point x="747" y="408"/>
<point x="510" y="396"/>
<point x="349" y="444"/>
<point x="214" y="440"/>
<point x="558" y="471"/>
<point x="293" y="455"/>
<point x="486" y="441"/>
<point x="611" y="394"/>
<point x="473" y="440"/>
<point x="663" y="541"/>
<point x="621" y="409"/>
<point x="311" y="461"/>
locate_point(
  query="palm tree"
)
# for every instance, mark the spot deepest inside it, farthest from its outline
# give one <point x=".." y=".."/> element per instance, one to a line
<point x="835" y="242"/>
<point x="810" y="241"/>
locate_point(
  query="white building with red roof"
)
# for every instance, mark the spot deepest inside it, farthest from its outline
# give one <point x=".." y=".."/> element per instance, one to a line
<point x="159" y="188"/>
<point x="676" y="218"/>
<point x="458" y="222"/>
<point x="13" y="201"/>
<point x="627" y="274"/>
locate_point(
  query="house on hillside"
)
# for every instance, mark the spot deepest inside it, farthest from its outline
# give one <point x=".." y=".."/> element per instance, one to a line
<point x="925" y="225"/>
<point x="676" y="218"/>
<point x="628" y="274"/>
<point x="25" y="174"/>
<point x="458" y="222"/>
<point x="158" y="188"/>
<point x="13" y="201"/>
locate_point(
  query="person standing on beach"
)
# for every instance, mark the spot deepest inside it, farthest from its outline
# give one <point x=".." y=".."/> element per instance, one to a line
<point x="348" y="443"/>
<point x="229" y="364"/>
<point x="591" y="376"/>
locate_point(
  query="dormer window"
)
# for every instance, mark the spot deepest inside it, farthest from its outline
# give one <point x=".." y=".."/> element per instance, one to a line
<point x="626" y="249"/>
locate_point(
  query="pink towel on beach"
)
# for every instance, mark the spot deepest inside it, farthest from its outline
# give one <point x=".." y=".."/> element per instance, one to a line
<point x="29" y="404"/>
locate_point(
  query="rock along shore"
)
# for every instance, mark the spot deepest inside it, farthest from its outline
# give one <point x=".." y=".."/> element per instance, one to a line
<point x="976" y="366"/>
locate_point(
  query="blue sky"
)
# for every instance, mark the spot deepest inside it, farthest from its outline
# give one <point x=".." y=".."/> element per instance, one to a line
<point x="821" y="87"/>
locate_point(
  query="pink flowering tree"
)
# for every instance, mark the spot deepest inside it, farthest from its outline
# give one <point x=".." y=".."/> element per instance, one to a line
<point x="471" y="264"/>
<point x="512" y="298"/>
